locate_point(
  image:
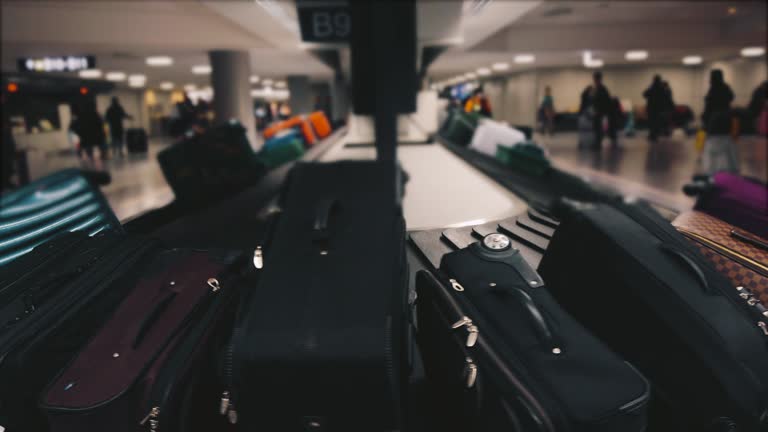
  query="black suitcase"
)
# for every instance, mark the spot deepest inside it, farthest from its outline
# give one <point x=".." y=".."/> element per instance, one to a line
<point x="501" y="355"/>
<point x="320" y="340"/>
<point x="136" y="140"/>
<point x="51" y="301"/>
<point x="646" y="291"/>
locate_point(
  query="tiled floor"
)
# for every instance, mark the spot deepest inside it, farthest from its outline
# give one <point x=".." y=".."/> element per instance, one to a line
<point x="638" y="168"/>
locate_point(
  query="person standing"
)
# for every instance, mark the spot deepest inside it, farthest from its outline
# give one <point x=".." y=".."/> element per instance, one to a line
<point x="597" y="99"/>
<point x="654" y="107"/>
<point x="717" y="104"/>
<point x="547" y="110"/>
<point x="88" y="125"/>
<point x="115" y="115"/>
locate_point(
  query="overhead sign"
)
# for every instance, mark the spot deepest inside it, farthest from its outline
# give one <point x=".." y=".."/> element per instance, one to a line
<point x="57" y="64"/>
<point x="328" y="22"/>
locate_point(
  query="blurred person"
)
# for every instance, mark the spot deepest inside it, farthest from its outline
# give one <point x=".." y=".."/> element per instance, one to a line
<point x="758" y="107"/>
<point x="88" y="125"/>
<point x="655" y="99"/>
<point x="115" y="115"/>
<point x="9" y="147"/>
<point x="547" y="110"/>
<point x="717" y="104"/>
<point x="478" y="102"/>
<point x="596" y="100"/>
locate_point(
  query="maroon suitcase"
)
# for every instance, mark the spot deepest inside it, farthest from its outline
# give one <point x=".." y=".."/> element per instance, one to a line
<point x="142" y="371"/>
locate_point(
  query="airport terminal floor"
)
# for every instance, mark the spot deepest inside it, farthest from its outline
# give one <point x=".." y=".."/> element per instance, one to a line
<point x="383" y="216"/>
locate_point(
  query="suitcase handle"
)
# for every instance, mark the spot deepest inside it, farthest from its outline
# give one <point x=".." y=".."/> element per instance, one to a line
<point x="690" y="263"/>
<point x="749" y="239"/>
<point x="323" y="212"/>
<point x="543" y="331"/>
<point x="151" y="317"/>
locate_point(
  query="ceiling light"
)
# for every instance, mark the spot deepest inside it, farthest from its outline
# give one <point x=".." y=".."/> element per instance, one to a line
<point x="280" y="84"/>
<point x="137" y="77"/>
<point x="753" y="51"/>
<point x="267" y="82"/>
<point x="166" y="85"/>
<point x="692" y="60"/>
<point x="483" y="71"/>
<point x="636" y="55"/>
<point x="190" y="87"/>
<point x="136" y="84"/>
<point x="159" y="61"/>
<point x="115" y="76"/>
<point x="254" y="79"/>
<point x="500" y="66"/>
<point x="732" y="10"/>
<point x="470" y="75"/>
<point x="90" y="73"/>
<point x="201" y="69"/>
<point x="524" y="58"/>
<point x="594" y="63"/>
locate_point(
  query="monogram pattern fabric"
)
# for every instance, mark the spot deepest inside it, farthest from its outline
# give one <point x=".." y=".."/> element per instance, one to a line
<point x="738" y="274"/>
<point x="720" y="232"/>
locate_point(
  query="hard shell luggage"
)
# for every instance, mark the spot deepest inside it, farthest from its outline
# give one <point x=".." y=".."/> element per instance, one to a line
<point x="211" y="166"/>
<point x="299" y="122"/>
<point x="741" y="256"/>
<point x="136" y="140"/>
<point x="740" y="201"/>
<point x="60" y="202"/>
<point x="490" y="134"/>
<point x="502" y="355"/>
<point x="281" y="152"/>
<point x="459" y="127"/>
<point x="53" y="300"/>
<point x="645" y="290"/>
<point x="320" y="124"/>
<point x="319" y="340"/>
<point x="145" y="367"/>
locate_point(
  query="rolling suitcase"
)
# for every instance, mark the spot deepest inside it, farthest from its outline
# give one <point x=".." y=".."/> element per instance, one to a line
<point x="60" y="202"/>
<point x="145" y="368"/>
<point x="740" y="256"/>
<point x="502" y="355"/>
<point x="136" y="140"/>
<point x="320" y="124"/>
<point x="646" y="291"/>
<point x="740" y="201"/>
<point x="299" y="122"/>
<point x="281" y="151"/>
<point x="281" y="138"/>
<point x="52" y="301"/>
<point x="319" y="340"/>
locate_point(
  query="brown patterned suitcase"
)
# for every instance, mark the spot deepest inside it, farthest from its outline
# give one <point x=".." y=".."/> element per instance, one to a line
<point x="741" y="256"/>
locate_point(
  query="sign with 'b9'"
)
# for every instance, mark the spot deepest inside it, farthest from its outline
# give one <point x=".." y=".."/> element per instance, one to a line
<point x="324" y="22"/>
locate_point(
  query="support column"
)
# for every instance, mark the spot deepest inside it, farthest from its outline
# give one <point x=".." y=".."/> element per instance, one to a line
<point x="302" y="101"/>
<point x="339" y="98"/>
<point x="230" y="79"/>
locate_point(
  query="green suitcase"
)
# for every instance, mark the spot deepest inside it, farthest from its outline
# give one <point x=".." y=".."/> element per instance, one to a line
<point x="525" y="157"/>
<point x="277" y="155"/>
<point x="459" y="127"/>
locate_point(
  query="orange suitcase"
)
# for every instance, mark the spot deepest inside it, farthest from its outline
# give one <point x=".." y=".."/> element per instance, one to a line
<point x="300" y="121"/>
<point x="320" y="123"/>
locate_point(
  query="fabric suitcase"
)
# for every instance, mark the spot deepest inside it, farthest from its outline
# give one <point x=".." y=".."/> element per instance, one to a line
<point x="53" y="300"/>
<point x="281" y="152"/>
<point x="136" y="140"/>
<point x="525" y="157"/>
<point x="490" y="134"/>
<point x="211" y="166"/>
<point x="281" y="138"/>
<point x="320" y="124"/>
<point x="60" y="202"/>
<point x="299" y="122"/>
<point x="319" y="340"/>
<point x="740" y="201"/>
<point x="502" y="355"/>
<point x="143" y="367"/>
<point x="459" y="127"/>
<point x="741" y="256"/>
<point x="646" y="291"/>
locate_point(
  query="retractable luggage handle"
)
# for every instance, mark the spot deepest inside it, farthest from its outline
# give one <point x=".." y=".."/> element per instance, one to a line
<point x="324" y="212"/>
<point x="682" y="257"/>
<point x="758" y="243"/>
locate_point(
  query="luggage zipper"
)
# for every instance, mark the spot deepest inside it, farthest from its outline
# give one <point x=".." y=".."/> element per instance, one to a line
<point x="227" y="403"/>
<point x="258" y="258"/>
<point x="161" y="389"/>
<point x="472" y="370"/>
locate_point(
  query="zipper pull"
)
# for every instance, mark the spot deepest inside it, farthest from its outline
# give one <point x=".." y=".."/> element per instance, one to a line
<point x="232" y="414"/>
<point x="214" y="284"/>
<point x="258" y="258"/>
<point x="763" y="327"/>
<point x="470" y="372"/>
<point x="154" y="413"/>
<point x="456" y="285"/>
<point x="224" y="406"/>
<point x="472" y="330"/>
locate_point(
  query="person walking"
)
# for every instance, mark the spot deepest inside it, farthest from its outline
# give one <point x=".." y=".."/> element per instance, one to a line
<point x="88" y="125"/>
<point x="597" y="99"/>
<point x="654" y="107"/>
<point x="115" y="115"/>
<point x="719" y="148"/>
<point x="547" y="112"/>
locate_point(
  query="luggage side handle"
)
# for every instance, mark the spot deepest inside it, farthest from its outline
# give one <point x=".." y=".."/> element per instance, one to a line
<point x="323" y="213"/>
<point x="151" y="317"/>
<point x="749" y="240"/>
<point x="543" y="331"/>
<point x="690" y="263"/>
